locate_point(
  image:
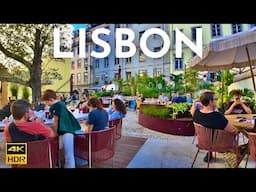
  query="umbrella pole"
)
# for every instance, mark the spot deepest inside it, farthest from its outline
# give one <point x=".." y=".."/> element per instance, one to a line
<point x="222" y="89"/>
<point x="249" y="59"/>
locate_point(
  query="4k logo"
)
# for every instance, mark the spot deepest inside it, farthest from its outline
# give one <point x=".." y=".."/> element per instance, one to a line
<point x="16" y="153"/>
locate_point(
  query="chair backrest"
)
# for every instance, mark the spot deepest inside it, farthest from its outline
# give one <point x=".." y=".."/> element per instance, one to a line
<point x="214" y="140"/>
<point x="41" y="154"/>
<point x="102" y="144"/>
<point x="252" y="145"/>
<point x="118" y="123"/>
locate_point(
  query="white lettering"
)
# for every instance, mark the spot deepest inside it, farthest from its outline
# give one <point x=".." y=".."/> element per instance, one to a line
<point x="82" y="43"/>
<point x="56" y="46"/>
<point x="120" y="43"/>
<point x="198" y="48"/>
<point x="166" y="43"/>
<point x="98" y="41"/>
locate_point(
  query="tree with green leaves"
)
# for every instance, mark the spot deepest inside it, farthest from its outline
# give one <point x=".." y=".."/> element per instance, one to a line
<point x="24" y="47"/>
<point x="191" y="80"/>
<point x="178" y="82"/>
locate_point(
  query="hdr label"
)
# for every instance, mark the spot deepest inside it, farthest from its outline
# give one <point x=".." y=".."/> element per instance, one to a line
<point x="16" y="153"/>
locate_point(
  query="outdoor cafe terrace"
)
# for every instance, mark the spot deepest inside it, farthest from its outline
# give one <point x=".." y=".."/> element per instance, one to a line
<point x="140" y="147"/>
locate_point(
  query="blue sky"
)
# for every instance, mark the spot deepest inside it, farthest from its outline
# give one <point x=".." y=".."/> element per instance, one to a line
<point x="80" y="25"/>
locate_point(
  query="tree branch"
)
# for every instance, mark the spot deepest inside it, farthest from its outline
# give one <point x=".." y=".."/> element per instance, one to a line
<point x="14" y="56"/>
<point x="11" y="79"/>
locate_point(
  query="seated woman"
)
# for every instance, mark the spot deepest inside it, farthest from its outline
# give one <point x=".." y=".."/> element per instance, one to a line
<point x="97" y="117"/>
<point x="118" y="110"/>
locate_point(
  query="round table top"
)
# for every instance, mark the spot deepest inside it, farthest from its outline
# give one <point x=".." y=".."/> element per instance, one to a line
<point x="247" y="122"/>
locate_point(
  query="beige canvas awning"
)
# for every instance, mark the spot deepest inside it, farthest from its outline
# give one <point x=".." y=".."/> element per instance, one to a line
<point x="233" y="51"/>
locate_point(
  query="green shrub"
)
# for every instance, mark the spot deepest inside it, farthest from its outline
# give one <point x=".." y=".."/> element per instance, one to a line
<point x="156" y="111"/>
<point x="14" y="90"/>
<point x="179" y="109"/>
<point x="149" y="92"/>
<point x="103" y="94"/>
<point x="25" y="93"/>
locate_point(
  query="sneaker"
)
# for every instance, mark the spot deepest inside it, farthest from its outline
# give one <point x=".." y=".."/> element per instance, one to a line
<point x="206" y="157"/>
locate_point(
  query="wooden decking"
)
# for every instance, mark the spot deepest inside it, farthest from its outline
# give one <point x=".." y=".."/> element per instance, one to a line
<point x="126" y="148"/>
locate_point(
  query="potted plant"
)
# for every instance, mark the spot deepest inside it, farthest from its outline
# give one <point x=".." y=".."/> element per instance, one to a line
<point x="180" y="110"/>
<point x="167" y="119"/>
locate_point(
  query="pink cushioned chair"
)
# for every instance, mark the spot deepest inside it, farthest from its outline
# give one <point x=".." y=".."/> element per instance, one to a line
<point x="118" y="123"/>
<point x="215" y="140"/>
<point x="41" y="154"/>
<point x="102" y="145"/>
<point x="252" y="147"/>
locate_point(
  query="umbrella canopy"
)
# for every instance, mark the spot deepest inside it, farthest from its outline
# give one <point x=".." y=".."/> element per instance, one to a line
<point x="227" y="52"/>
<point x="233" y="51"/>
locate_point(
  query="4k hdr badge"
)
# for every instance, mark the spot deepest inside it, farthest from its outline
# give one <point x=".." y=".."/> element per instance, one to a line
<point x="16" y="153"/>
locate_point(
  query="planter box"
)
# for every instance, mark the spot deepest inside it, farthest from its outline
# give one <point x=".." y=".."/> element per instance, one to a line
<point x="182" y="126"/>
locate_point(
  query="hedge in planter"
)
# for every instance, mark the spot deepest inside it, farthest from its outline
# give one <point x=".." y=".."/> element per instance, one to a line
<point x="158" y="118"/>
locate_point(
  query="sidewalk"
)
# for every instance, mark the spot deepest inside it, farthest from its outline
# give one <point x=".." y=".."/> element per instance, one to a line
<point x="170" y="151"/>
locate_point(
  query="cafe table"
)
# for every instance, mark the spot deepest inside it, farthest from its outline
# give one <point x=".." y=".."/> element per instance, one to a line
<point x="242" y="122"/>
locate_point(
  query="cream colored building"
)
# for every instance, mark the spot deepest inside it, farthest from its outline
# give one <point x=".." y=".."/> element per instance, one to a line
<point x="210" y="31"/>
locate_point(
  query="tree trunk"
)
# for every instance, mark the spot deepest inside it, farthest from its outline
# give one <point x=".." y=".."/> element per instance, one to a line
<point x="36" y="69"/>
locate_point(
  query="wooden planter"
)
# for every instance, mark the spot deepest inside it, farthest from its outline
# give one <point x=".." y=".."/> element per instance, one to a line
<point x="180" y="126"/>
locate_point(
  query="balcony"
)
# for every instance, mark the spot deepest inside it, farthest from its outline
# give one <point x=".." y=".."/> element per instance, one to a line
<point x="142" y="58"/>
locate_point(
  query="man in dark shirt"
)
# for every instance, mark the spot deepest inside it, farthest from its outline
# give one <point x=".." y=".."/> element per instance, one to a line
<point x="209" y="117"/>
<point x="237" y="106"/>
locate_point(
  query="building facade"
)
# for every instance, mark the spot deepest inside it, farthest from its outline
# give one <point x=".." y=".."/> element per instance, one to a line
<point x="141" y="64"/>
<point x="102" y="71"/>
<point x="80" y="67"/>
<point x="210" y="32"/>
<point x="90" y="72"/>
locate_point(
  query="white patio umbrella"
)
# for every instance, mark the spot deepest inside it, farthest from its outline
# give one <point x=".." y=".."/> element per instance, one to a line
<point x="233" y="51"/>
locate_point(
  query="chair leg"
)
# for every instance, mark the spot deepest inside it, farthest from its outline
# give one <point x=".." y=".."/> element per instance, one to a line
<point x="195" y="158"/>
<point x="208" y="162"/>
<point x="247" y="160"/>
<point x="194" y="138"/>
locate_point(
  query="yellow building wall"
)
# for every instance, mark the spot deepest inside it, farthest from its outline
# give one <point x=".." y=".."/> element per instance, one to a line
<point x="63" y="67"/>
<point x="4" y="94"/>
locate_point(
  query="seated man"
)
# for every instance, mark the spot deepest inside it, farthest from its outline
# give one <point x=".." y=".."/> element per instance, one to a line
<point x="209" y="117"/>
<point x="179" y="98"/>
<point x="163" y="99"/>
<point x="22" y="130"/>
<point x="237" y="106"/>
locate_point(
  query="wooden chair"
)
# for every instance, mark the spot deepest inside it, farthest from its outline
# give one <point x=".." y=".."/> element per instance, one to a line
<point x="215" y="140"/>
<point x="252" y="147"/>
<point x="41" y="154"/>
<point x="96" y="146"/>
